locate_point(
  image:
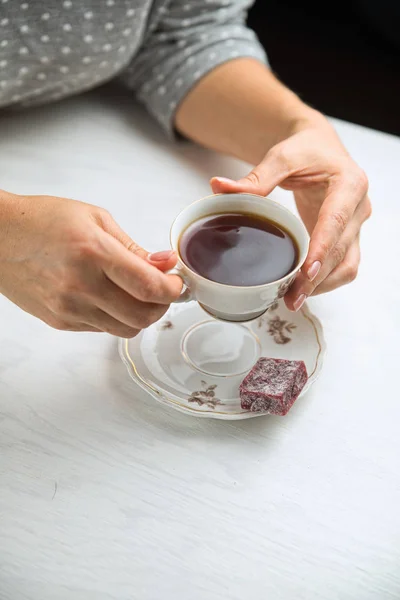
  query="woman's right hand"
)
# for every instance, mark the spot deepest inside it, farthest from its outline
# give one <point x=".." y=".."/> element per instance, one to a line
<point x="70" y="264"/>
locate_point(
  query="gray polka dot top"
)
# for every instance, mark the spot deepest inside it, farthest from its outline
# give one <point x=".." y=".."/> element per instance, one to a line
<point x="50" y="49"/>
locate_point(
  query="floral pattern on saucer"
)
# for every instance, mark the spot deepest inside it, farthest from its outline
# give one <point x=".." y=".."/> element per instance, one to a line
<point x="205" y="397"/>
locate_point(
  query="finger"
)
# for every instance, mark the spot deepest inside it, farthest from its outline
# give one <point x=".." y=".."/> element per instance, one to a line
<point x="61" y="325"/>
<point x="66" y="322"/>
<point x="106" y="323"/>
<point x="296" y="296"/>
<point x="344" y="273"/>
<point x="336" y="212"/>
<point x="272" y="171"/>
<point x="84" y="327"/>
<point x="302" y="288"/>
<point x="163" y="261"/>
<point x="138" y="277"/>
<point x="128" y="310"/>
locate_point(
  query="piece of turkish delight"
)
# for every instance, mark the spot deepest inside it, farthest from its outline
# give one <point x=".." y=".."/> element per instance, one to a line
<point x="273" y="385"/>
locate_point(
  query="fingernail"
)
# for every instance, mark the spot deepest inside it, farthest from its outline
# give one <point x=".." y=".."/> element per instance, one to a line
<point x="314" y="270"/>
<point x="224" y="180"/>
<point x="161" y="256"/>
<point x="299" y="302"/>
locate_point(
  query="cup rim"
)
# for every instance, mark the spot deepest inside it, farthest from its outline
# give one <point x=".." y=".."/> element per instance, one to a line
<point x="298" y="266"/>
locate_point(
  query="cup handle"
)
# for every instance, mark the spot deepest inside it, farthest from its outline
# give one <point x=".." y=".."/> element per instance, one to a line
<point x="186" y="295"/>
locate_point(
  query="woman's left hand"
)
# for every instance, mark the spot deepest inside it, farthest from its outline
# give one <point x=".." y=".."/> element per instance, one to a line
<point x="331" y="194"/>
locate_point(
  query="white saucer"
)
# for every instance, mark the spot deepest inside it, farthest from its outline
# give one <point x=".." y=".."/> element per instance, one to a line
<point x="195" y="364"/>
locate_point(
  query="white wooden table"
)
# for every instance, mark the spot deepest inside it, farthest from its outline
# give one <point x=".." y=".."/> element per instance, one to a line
<point x="106" y="495"/>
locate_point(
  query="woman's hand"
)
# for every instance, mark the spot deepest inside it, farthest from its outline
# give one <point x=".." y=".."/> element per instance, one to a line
<point x="331" y="195"/>
<point x="71" y="265"/>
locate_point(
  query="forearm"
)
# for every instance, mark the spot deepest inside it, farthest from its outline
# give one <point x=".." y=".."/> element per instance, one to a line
<point x="8" y="210"/>
<point x="241" y="109"/>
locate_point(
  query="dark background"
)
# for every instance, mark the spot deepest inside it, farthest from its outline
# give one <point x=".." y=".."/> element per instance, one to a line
<point x="343" y="58"/>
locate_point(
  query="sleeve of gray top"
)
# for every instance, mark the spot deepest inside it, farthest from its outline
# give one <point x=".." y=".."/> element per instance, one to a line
<point x="188" y="40"/>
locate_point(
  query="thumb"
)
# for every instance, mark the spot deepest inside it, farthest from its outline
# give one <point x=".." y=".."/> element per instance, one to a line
<point x="261" y="180"/>
<point x="163" y="261"/>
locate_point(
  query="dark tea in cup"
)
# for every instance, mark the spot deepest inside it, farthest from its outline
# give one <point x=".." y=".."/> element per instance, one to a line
<point x="238" y="249"/>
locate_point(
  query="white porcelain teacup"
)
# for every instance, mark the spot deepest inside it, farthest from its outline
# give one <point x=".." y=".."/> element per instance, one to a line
<point x="228" y="302"/>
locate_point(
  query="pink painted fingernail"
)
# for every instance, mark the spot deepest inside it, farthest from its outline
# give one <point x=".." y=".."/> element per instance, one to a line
<point x="161" y="256"/>
<point x="299" y="302"/>
<point x="314" y="270"/>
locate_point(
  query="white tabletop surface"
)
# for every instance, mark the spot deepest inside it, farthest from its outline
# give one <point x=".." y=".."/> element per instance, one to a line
<point x="106" y="495"/>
